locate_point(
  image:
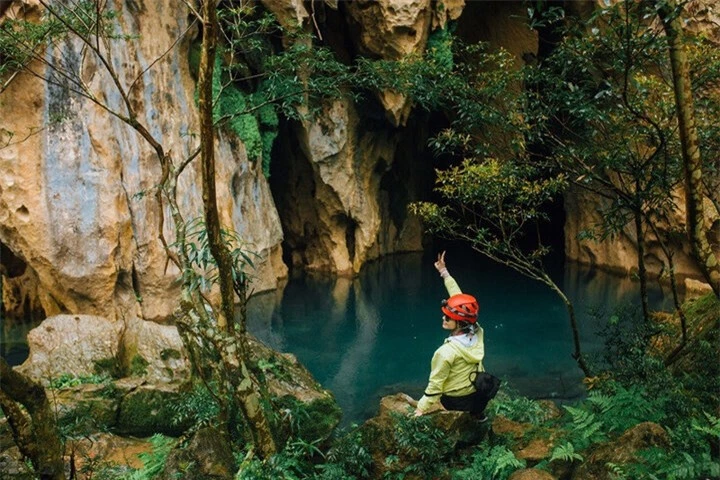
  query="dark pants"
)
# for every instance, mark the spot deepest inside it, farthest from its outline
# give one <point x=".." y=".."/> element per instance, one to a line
<point x="473" y="403"/>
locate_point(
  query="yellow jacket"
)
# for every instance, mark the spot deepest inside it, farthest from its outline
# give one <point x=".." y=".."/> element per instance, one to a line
<point x="453" y="362"/>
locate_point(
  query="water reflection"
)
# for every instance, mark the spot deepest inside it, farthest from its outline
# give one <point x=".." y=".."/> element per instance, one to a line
<point x="374" y="335"/>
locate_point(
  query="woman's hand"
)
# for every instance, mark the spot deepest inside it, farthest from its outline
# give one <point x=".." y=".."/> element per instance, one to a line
<point x="440" y="264"/>
<point x="418" y="412"/>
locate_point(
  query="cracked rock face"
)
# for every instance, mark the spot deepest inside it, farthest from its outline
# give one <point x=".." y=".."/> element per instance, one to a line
<point x="77" y="185"/>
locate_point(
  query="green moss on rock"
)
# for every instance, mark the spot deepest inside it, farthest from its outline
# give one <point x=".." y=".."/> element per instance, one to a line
<point x="151" y="409"/>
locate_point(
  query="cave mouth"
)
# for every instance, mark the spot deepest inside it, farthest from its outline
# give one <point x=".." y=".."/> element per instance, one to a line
<point x="19" y="302"/>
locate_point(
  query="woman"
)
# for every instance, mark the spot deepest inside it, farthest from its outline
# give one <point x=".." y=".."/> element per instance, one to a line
<point x="455" y="363"/>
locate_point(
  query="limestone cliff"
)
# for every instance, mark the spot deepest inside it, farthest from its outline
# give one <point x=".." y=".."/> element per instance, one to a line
<point x="78" y="221"/>
<point x="77" y="206"/>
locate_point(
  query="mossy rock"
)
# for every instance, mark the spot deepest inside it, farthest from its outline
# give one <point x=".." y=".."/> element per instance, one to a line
<point x="149" y="409"/>
<point x="87" y="408"/>
<point x="312" y="421"/>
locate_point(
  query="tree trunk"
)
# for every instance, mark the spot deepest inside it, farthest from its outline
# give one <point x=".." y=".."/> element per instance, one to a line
<point x="231" y="341"/>
<point x="38" y="438"/>
<point x="577" y="354"/>
<point x="667" y="10"/>
<point x="642" y="270"/>
<point x="207" y="153"/>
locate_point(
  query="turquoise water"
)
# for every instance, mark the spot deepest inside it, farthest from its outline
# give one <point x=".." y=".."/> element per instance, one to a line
<point x="368" y="337"/>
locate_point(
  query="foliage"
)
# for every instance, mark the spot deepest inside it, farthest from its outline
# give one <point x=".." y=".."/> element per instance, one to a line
<point x="293" y="463"/>
<point x="67" y="380"/>
<point x="348" y="458"/>
<point x="154" y="462"/>
<point x="426" y="446"/>
<point x="490" y="462"/>
<point x="565" y="452"/>
<point x="197" y="407"/>
<point x="517" y="408"/>
<point x="205" y="274"/>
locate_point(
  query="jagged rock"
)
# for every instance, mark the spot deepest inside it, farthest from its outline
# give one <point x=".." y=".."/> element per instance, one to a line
<point x="154" y="352"/>
<point x="209" y="453"/>
<point x="531" y="474"/>
<point x="80" y="345"/>
<point x="621" y="451"/>
<point x="446" y="11"/>
<point x="340" y="191"/>
<point x="391" y="30"/>
<point x="290" y="14"/>
<point x="76" y="194"/>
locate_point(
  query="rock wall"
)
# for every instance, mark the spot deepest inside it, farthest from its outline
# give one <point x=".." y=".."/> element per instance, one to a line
<point x="76" y="184"/>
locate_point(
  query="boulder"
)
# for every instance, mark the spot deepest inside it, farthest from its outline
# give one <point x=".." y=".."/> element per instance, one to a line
<point x="154" y="352"/>
<point x="104" y="448"/>
<point x="148" y="409"/>
<point x="622" y="450"/>
<point x="384" y="436"/>
<point x="531" y="474"/>
<point x="81" y="345"/>
<point x="87" y="408"/>
<point x="207" y="456"/>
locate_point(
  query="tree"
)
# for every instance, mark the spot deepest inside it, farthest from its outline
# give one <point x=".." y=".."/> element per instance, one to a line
<point x="670" y="14"/>
<point x="495" y="198"/>
<point x="602" y="115"/>
<point x="33" y="426"/>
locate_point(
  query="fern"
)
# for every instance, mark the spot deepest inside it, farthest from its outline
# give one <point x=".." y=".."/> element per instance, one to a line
<point x="154" y="462"/>
<point x="495" y="463"/>
<point x="565" y="453"/>
<point x="712" y="430"/>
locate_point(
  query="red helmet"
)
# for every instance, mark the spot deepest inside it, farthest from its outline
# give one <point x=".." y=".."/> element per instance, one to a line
<point x="461" y="308"/>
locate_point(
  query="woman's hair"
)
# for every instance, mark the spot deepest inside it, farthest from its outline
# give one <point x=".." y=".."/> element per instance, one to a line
<point x="467" y="327"/>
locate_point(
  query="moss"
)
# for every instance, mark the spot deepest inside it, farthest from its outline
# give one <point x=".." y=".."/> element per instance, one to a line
<point x="138" y="366"/>
<point x="313" y="421"/>
<point x="257" y="130"/>
<point x="170" y="354"/>
<point x="107" y="366"/>
<point x="146" y="411"/>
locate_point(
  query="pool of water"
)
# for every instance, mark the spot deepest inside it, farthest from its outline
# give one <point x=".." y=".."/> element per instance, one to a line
<point x="374" y="335"/>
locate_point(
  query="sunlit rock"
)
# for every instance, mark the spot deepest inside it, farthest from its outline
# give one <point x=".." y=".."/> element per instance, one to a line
<point x="79" y="345"/>
<point x="77" y="185"/>
<point x="391" y="30"/>
<point x="153" y="351"/>
<point x="531" y="474"/>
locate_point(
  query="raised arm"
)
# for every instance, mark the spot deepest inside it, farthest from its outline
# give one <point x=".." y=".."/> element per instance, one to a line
<point x="450" y="284"/>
